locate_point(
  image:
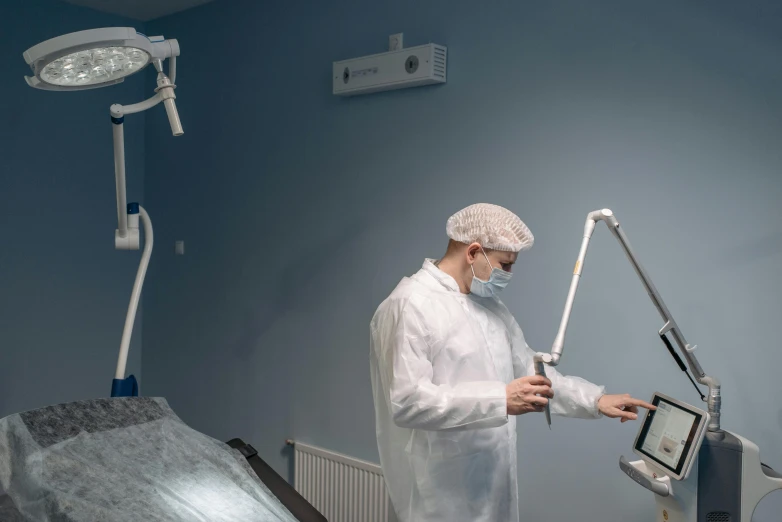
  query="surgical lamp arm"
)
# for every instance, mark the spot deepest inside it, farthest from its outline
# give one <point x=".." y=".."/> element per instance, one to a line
<point x="164" y="93"/>
<point x="670" y="326"/>
<point x="128" y="215"/>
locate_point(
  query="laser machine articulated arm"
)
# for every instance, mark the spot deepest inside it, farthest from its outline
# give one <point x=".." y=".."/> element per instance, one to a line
<point x="670" y="328"/>
<point x="696" y="470"/>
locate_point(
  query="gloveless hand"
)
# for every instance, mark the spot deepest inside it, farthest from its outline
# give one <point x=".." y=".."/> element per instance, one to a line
<point x="622" y="406"/>
<point x="528" y="394"/>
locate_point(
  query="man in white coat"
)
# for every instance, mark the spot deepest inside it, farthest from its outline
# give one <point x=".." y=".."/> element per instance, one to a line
<point x="450" y="370"/>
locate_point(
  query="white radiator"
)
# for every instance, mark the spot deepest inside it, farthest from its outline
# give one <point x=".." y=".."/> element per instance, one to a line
<point x="342" y="488"/>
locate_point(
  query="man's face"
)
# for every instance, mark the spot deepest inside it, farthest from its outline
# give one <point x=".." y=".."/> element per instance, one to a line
<point x="497" y="259"/>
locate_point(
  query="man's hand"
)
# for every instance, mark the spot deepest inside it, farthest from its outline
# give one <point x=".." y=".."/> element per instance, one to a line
<point x="528" y="394"/>
<point x="622" y="406"/>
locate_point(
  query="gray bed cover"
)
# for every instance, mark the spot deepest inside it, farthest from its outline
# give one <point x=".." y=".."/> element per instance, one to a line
<point x="122" y="460"/>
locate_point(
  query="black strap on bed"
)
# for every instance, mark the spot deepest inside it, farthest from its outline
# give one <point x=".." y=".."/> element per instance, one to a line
<point x="285" y="493"/>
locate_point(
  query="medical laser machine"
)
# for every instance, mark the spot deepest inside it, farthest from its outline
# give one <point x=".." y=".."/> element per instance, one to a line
<point x="99" y="58"/>
<point x="697" y="471"/>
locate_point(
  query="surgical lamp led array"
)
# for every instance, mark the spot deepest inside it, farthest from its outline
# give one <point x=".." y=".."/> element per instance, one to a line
<point x="99" y="58"/>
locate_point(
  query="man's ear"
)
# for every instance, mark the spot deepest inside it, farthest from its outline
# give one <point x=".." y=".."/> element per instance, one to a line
<point x="472" y="252"/>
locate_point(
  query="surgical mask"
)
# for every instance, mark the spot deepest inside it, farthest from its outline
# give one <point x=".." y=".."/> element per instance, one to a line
<point x="497" y="282"/>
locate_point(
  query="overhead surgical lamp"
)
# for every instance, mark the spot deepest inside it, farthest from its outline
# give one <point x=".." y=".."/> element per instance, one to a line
<point x="99" y="58"/>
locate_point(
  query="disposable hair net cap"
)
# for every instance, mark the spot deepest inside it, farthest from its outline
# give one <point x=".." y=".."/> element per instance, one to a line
<point x="494" y="227"/>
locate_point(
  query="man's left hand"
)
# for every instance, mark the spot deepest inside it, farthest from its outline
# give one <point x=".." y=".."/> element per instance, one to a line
<point x="623" y="406"/>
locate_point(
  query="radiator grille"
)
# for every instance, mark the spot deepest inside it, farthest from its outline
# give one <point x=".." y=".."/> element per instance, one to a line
<point x="342" y="488"/>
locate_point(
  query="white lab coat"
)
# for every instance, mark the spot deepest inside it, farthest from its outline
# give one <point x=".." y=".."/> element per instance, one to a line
<point x="440" y="361"/>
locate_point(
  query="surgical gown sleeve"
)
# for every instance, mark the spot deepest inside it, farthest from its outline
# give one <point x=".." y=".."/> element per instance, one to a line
<point x="404" y="354"/>
<point x="573" y="396"/>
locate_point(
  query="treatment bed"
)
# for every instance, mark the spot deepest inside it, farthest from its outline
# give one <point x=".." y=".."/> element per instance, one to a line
<point x="132" y="459"/>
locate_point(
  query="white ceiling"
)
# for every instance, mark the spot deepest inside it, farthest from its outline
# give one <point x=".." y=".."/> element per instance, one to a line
<point x="143" y="10"/>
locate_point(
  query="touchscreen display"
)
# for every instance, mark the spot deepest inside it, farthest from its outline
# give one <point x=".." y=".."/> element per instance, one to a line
<point x="668" y="434"/>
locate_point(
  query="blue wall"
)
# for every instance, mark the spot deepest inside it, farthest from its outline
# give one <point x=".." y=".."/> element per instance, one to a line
<point x="64" y="290"/>
<point x="301" y="211"/>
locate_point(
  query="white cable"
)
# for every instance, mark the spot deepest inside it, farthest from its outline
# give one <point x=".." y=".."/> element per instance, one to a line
<point x="136" y="294"/>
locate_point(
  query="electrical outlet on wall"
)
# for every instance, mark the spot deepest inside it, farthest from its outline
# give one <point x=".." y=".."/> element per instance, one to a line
<point x="395" y="41"/>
